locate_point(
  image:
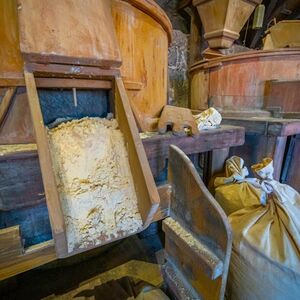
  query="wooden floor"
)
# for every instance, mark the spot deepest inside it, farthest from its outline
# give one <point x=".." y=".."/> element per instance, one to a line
<point x="61" y="276"/>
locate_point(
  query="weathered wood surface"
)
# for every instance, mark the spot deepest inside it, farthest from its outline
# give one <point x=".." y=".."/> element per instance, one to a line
<point x="16" y="127"/>
<point x="223" y="20"/>
<point x="198" y="235"/>
<point x="143" y="39"/>
<point x="69" y="32"/>
<point x="266" y="126"/>
<point x="163" y="210"/>
<point x="251" y="70"/>
<point x="147" y="195"/>
<point x="179" y="119"/>
<point x="10" y="242"/>
<point x="5" y="103"/>
<point x="11" y="62"/>
<point x="157" y="147"/>
<point x="283" y="96"/>
<point x="52" y="197"/>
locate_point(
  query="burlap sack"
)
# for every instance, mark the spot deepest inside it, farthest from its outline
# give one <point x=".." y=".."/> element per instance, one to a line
<point x="235" y="191"/>
<point x="265" y="262"/>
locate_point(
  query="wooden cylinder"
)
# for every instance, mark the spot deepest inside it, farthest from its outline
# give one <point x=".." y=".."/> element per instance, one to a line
<point x="224" y="19"/>
<point x="238" y="83"/>
<point x="143" y="31"/>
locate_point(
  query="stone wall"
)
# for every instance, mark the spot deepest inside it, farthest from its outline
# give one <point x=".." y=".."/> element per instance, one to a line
<point x="178" y="55"/>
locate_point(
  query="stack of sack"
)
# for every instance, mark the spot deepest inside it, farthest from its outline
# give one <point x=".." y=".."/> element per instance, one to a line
<point x="265" y="219"/>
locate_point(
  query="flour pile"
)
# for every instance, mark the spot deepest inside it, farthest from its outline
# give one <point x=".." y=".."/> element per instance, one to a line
<point x="94" y="181"/>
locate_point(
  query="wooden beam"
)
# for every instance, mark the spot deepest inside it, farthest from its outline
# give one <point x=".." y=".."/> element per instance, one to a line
<point x="5" y="103"/>
<point x="57" y="70"/>
<point x="52" y="196"/>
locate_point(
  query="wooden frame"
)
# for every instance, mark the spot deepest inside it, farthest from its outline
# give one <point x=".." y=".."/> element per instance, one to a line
<point x="147" y="194"/>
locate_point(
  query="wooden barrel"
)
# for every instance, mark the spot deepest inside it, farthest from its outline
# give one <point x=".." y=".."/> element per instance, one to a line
<point x="239" y="83"/>
<point x="143" y="31"/>
<point x="224" y="19"/>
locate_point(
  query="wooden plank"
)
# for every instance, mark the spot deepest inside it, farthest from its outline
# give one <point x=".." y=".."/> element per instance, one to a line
<point x="33" y="257"/>
<point x="227" y="136"/>
<point x="206" y="259"/>
<point x="68" y="32"/>
<point x="266" y="126"/>
<point x="5" y="103"/>
<point x="10" y="243"/>
<point x="57" y="70"/>
<point x="73" y="83"/>
<point x="148" y="198"/>
<point x="194" y="208"/>
<point x="17" y="127"/>
<point x="52" y="196"/>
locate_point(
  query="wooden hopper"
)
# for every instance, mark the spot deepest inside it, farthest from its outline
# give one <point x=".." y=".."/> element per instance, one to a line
<point x="224" y="19"/>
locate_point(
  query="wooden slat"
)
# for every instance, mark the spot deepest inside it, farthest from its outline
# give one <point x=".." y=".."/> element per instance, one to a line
<point x="144" y="183"/>
<point x="5" y="103"/>
<point x="206" y="260"/>
<point x="52" y="196"/>
<point x="33" y="257"/>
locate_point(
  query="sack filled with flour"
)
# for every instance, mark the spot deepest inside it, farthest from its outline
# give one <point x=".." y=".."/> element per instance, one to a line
<point x="265" y="262"/>
<point x="235" y="191"/>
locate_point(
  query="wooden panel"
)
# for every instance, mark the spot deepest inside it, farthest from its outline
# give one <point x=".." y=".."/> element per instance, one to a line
<point x="148" y="198"/>
<point x="11" y="62"/>
<point x="17" y="126"/>
<point x="252" y="70"/>
<point x="70" y="32"/>
<point x="283" y="96"/>
<point x="20" y="181"/>
<point x="52" y="197"/>
<point x="144" y="47"/>
<point x="197" y="212"/>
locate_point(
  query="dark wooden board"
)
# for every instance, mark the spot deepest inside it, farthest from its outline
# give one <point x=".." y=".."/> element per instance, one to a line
<point x="20" y="182"/>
